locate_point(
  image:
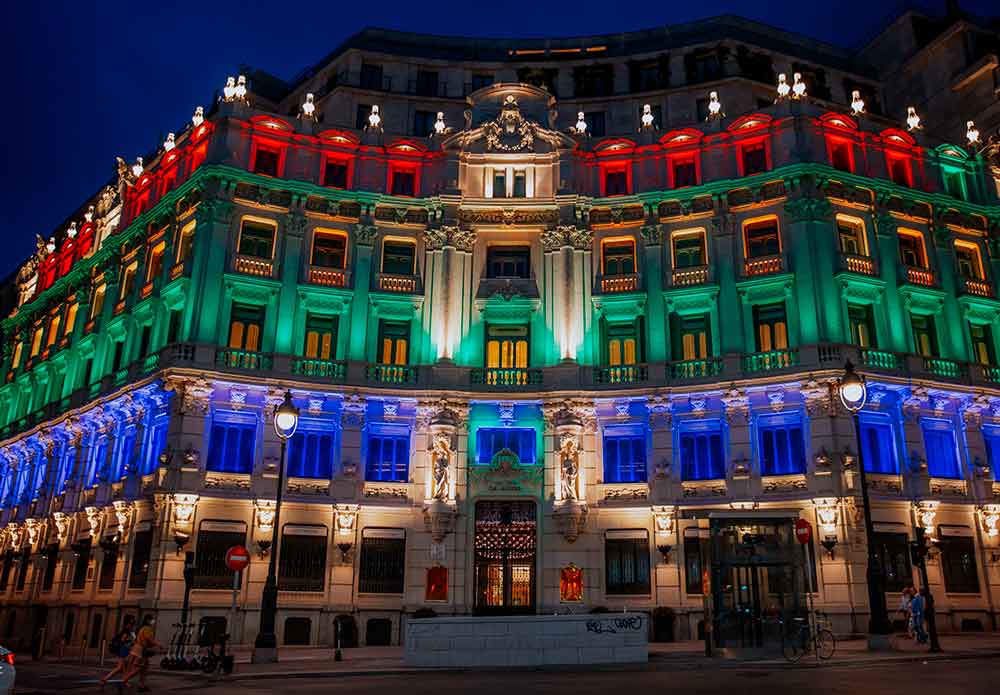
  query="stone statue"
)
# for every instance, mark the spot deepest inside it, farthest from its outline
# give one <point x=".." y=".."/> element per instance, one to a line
<point x="569" y="459"/>
<point x="441" y="469"/>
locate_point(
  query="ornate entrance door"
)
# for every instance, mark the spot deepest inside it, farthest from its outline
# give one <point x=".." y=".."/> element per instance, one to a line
<point x="506" y="539"/>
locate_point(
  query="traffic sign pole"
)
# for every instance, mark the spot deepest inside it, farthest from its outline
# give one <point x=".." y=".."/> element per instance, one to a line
<point x="237" y="559"/>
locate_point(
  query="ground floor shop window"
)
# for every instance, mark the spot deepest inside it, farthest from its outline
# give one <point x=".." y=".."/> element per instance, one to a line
<point x="214" y="539"/>
<point x="958" y="562"/>
<point x="626" y="563"/>
<point x="383" y="559"/>
<point x="302" y="561"/>
<point x="142" y="546"/>
<point x="893" y="553"/>
<point x="692" y="563"/>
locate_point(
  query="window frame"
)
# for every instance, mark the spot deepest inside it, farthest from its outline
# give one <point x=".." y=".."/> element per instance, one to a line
<point x="641" y="562"/>
<point x="681" y="234"/>
<point x="259" y="222"/>
<point x="616" y="472"/>
<point x="398" y="434"/>
<point x="327" y="233"/>
<point x="795" y="443"/>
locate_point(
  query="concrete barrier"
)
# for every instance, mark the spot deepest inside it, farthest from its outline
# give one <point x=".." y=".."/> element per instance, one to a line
<point x="530" y="640"/>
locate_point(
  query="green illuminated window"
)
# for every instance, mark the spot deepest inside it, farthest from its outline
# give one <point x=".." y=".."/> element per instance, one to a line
<point x="924" y="335"/>
<point x="862" y="325"/>
<point x="982" y="344"/>
<point x="771" y="327"/>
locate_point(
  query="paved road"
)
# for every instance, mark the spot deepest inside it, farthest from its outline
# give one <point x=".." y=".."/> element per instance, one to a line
<point x="958" y="677"/>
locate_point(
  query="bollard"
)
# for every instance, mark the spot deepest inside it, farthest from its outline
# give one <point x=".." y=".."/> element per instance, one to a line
<point x="83" y="649"/>
<point x="104" y="651"/>
<point x="62" y="650"/>
<point x="41" y="644"/>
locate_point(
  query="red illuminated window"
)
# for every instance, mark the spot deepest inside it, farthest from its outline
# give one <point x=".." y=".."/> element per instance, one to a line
<point x="335" y="173"/>
<point x="684" y="172"/>
<point x="266" y="161"/>
<point x="437" y="584"/>
<point x="899" y="169"/>
<point x="753" y="158"/>
<point x="570" y="584"/>
<point x="402" y="182"/>
<point x="616" y="182"/>
<point x="841" y="156"/>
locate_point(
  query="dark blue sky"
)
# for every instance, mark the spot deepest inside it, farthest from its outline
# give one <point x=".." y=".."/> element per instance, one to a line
<point x="88" y="81"/>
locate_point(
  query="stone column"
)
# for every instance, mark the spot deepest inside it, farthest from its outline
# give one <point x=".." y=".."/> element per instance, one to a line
<point x="740" y="468"/>
<point x="565" y="249"/>
<point x="450" y="288"/>
<point x="210" y="254"/>
<point x="361" y="334"/>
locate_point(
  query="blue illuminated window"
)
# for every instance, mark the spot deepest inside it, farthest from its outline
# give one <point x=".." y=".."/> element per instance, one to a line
<point x="520" y="441"/>
<point x="941" y="449"/>
<point x="98" y="459"/>
<point x="624" y="456"/>
<point x="878" y="446"/>
<point x="124" y="450"/>
<point x="781" y="446"/>
<point x="156" y="443"/>
<point x="231" y="446"/>
<point x="702" y="453"/>
<point x="992" y="437"/>
<point x="310" y="454"/>
<point x="388" y="456"/>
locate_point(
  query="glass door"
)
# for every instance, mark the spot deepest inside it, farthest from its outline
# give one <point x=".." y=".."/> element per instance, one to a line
<point x="505" y="545"/>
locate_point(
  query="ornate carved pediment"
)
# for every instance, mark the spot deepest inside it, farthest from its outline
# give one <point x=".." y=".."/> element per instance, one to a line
<point x="510" y="132"/>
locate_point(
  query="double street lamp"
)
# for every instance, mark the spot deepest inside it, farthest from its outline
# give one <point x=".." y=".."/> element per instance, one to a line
<point x="853" y="394"/>
<point x="286" y="420"/>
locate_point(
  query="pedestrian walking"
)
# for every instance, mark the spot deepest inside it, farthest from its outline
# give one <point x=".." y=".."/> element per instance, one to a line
<point x="906" y="597"/>
<point x="121" y="645"/>
<point x="917" y="606"/>
<point x="142" y="651"/>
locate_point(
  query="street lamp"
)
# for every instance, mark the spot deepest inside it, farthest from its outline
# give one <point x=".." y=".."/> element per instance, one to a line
<point x="853" y="394"/>
<point x="286" y="420"/>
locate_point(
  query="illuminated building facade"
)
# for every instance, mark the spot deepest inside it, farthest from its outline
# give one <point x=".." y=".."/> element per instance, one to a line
<point x="563" y="320"/>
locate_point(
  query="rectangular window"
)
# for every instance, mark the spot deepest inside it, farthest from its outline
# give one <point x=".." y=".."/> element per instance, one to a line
<point x="840" y="155"/>
<point x="506" y="347"/>
<point x="394" y="342"/>
<point x="128" y="279"/>
<point x="403" y="182"/>
<point x="518" y="442"/>
<point x="388" y="454"/>
<point x="754" y="158"/>
<point x="302" y="560"/>
<point x="981" y="337"/>
<point x="852" y="237"/>
<point x="624" y="455"/>
<point x="893" y="553"/>
<point x="911" y="250"/>
<point x="969" y="264"/>
<point x="51" y="555"/>
<point x="210" y="550"/>
<point x="595" y="121"/>
<point x="97" y="305"/>
<point x="329" y="250"/>
<point x="689" y="249"/>
<point x="82" y="552"/>
<point x="690" y="336"/>
<point x="23" y="565"/>
<point x="265" y="161"/>
<point x="310" y="454"/>
<point x="185" y="242"/>
<point x="481" y="81"/>
<point x="142" y="547"/>
<point x="623" y="344"/>
<point x="954" y="183"/>
<point x="771" y="327"/>
<point x="321" y="337"/>
<point x="626" y="564"/>
<point x="941" y="450"/>
<point x="399" y="257"/>
<point x="618" y="256"/>
<point x="520" y="183"/>
<point x="382" y="563"/>
<point x="231" y="447"/>
<point x="155" y="265"/>
<point x="423" y="123"/>
<point x="781" y="446"/>
<point x="256" y="239"/>
<point x="36" y="341"/>
<point x="761" y="238"/>
<point x="685" y="172"/>
<point x="861" y="318"/>
<point x="499" y="183"/>
<point x="7" y="568"/>
<point x="109" y="566"/>
<point x="371" y="76"/>
<point x="427" y="84"/>
<point x="692" y="563"/>
<point x="958" y="564"/>
<point x="246" y="325"/>
<point x="924" y="335"/>
<point x="361" y="116"/>
<point x="615" y="182"/>
<point x="878" y="446"/>
<point x="508" y="262"/>
<point x="899" y="169"/>
<point x="335" y="174"/>
<point x="702" y="454"/>
<point x="53" y="331"/>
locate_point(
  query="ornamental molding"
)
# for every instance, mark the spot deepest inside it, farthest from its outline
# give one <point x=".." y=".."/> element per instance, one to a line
<point x="453" y="236"/>
<point x="386" y="491"/>
<point x="737" y="404"/>
<point x="809" y="209"/>
<point x="703" y="489"/>
<point x="365" y="234"/>
<point x="620" y="493"/>
<point x="567" y="236"/>
<point x="510" y="131"/>
<point x="439" y="519"/>
<point x="652" y="234"/>
<point x="569" y="413"/>
<point x="509" y="216"/>
<point x="785" y="483"/>
<point x="570" y="517"/>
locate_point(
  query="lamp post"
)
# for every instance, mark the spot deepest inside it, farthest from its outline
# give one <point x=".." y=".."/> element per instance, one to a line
<point x="853" y="394"/>
<point x="265" y="648"/>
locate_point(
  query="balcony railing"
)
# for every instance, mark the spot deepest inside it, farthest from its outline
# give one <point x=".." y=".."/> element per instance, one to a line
<point x="684" y="277"/>
<point x="335" y="370"/>
<point x="402" y="284"/>
<point x="328" y="277"/>
<point x="862" y="265"/>
<point x="611" y="284"/>
<point x="991" y="374"/>
<point x="250" y="265"/>
<point x="241" y="359"/>
<point x="880" y="359"/>
<point x="621" y="374"/>
<point x="920" y="276"/>
<point x="774" y="359"/>
<point x="496" y="376"/>
<point x="980" y="288"/>
<point x="762" y="266"/>
<point x="947" y="368"/>
<point x="391" y="374"/>
<point x="694" y="369"/>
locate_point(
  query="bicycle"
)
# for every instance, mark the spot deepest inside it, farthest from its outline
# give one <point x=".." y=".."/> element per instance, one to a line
<point x="807" y="637"/>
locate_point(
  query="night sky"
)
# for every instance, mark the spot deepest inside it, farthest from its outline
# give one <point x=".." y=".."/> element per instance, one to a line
<point x="84" y="85"/>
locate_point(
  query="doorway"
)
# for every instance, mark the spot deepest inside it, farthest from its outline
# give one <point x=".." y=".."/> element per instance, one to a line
<point x="505" y="550"/>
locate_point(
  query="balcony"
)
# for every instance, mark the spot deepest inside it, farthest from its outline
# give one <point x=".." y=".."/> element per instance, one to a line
<point x="979" y="288"/>
<point x="950" y="369"/>
<point x="765" y="265"/>
<point x="622" y="374"/>
<point x="920" y="276"/>
<point x="334" y="370"/>
<point x="862" y="265"/>
<point x="241" y="359"/>
<point x="694" y="369"/>
<point x="506" y="377"/>
<point x="328" y="277"/>
<point x="398" y="284"/>
<point x="687" y="277"/>
<point x="881" y="359"/>
<point x="614" y="284"/>
<point x="991" y="374"/>
<point x="774" y="359"/>
<point x="251" y="265"/>
<point x="391" y="374"/>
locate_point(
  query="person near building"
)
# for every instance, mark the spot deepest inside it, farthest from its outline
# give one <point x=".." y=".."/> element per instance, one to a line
<point x="917" y="606"/>
<point x="142" y="651"/>
<point x="121" y="645"/>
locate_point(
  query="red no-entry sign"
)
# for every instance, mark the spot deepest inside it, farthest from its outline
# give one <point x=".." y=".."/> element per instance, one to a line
<point x="237" y="558"/>
<point x="803" y="531"/>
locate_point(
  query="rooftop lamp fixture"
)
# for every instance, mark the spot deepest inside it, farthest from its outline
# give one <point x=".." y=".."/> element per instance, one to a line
<point x="71" y="232"/>
<point x="308" y="108"/>
<point x="199" y="116"/>
<point x="439" y="126"/>
<point x="137" y="168"/>
<point x="972" y="133"/>
<point x="714" y="106"/>
<point x="798" y="86"/>
<point x="374" y="119"/>
<point x="169" y="143"/>
<point x="912" y="119"/>
<point x="857" y="103"/>
<point x="784" y="89"/>
<point x="89" y="215"/>
<point x="229" y="91"/>
<point x="581" y="124"/>
<point x="647" y="116"/>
